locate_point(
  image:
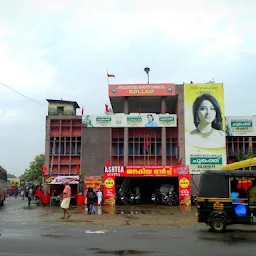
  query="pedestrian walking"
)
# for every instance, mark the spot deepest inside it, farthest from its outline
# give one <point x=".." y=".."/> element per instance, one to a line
<point x="91" y="200"/>
<point x="99" y="196"/>
<point x="66" y="196"/>
<point x="30" y="195"/>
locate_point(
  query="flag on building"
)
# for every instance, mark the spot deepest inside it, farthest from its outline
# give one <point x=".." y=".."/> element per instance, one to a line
<point x="111" y="75"/>
<point x="139" y="109"/>
<point x="77" y="169"/>
<point x="82" y="111"/>
<point x="44" y="169"/>
<point x="180" y="161"/>
<point x="107" y="164"/>
<point x="147" y="143"/>
<point x="107" y="108"/>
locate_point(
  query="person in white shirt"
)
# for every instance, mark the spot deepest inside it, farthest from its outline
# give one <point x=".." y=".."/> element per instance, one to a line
<point x="99" y="196"/>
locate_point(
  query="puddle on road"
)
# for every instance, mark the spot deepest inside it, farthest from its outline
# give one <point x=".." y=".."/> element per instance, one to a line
<point x="54" y="235"/>
<point x="232" y="236"/>
<point x="120" y="252"/>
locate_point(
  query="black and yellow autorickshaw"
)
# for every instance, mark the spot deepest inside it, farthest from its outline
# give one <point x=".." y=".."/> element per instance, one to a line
<point x="226" y="198"/>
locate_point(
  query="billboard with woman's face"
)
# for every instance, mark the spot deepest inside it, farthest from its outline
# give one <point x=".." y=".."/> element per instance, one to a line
<point x="205" y="140"/>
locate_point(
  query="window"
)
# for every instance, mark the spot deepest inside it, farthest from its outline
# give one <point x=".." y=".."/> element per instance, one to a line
<point x="68" y="148"/>
<point x="60" y="110"/>
<point x="73" y="148"/>
<point x="62" y="148"/>
<point x="78" y="148"/>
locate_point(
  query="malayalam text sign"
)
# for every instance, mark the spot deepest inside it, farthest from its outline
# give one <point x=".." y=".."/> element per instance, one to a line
<point x="163" y="89"/>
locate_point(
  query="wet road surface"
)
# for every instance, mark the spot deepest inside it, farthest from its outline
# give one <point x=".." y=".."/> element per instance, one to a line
<point x="22" y="232"/>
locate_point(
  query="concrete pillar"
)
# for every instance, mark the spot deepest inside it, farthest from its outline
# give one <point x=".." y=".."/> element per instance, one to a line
<point x="163" y="134"/>
<point x="126" y="134"/>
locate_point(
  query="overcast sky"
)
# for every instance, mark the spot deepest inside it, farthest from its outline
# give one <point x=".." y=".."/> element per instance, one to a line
<point x="62" y="49"/>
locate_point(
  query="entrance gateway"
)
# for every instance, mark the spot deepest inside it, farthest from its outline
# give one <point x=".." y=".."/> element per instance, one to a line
<point x="181" y="172"/>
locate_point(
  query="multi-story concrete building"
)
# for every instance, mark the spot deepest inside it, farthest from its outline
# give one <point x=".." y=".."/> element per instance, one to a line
<point x="63" y="138"/>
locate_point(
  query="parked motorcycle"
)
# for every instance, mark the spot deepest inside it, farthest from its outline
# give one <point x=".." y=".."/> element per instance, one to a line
<point x="157" y="198"/>
<point x="171" y="198"/>
<point x="134" y="199"/>
<point x="122" y="198"/>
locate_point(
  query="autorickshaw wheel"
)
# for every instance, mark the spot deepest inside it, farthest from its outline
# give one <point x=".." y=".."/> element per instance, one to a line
<point x="218" y="225"/>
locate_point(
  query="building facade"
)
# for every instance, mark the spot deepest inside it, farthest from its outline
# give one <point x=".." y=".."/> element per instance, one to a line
<point x="63" y="138"/>
<point x="147" y="126"/>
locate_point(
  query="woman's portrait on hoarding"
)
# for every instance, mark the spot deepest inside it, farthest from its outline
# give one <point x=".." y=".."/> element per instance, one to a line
<point x="208" y="121"/>
<point x="87" y="122"/>
<point x="151" y="121"/>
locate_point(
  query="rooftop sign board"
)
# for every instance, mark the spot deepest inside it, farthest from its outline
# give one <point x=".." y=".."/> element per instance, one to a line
<point x="119" y="90"/>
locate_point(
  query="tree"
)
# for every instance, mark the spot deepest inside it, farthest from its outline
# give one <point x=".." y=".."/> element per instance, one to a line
<point x="34" y="172"/>
<point x="9" y="175"/>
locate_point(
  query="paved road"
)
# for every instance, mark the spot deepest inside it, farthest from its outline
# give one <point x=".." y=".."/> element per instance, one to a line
<point x="23" y="233"/>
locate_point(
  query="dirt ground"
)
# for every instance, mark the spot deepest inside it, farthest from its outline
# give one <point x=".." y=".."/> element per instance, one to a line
<point x="132" y="216"/>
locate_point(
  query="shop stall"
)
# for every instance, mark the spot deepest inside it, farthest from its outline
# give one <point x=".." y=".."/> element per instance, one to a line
<point x="55" y="186"/>
<point x="148" y="175"/>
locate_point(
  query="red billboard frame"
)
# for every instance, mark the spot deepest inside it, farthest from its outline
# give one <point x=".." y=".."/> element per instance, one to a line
<point x="160" y="89"/>
<point x="111" y="172"/>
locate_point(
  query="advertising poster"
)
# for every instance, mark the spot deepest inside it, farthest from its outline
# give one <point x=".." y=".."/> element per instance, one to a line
<point x="240" y="126"/>
<point x="109" y="190"/>
<point x="61" y="179"/>
<point x="94" y="182"/>
<point x="112" y="172"/>
<point x="184" y="189"/>
<point x="205" y="136"/>
<point x="132" y="120"/>
<point x="117" y="90"/>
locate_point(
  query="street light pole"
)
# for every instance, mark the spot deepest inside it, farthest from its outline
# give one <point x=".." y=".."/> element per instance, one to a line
<point x="147" y="70"/>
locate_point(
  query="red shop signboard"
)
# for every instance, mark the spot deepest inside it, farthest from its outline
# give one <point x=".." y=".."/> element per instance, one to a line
<point x="111" y="172"/>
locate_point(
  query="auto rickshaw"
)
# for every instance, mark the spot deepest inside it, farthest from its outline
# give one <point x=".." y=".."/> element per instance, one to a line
<point x="226" y="198"/>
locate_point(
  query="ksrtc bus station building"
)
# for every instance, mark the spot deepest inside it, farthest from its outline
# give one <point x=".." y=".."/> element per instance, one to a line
<point x="149" y="135"/>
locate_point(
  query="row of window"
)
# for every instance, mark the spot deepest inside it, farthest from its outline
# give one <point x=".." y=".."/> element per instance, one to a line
<point x="143" y="139"/>
<point x="240" y="148"/>
<point x="58" y="139"/>
<point x="139" y="149"/>
<point x="67" y="148"/>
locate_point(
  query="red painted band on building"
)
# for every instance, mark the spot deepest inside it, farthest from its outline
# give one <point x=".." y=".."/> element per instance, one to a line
<point x="117" y="90"/>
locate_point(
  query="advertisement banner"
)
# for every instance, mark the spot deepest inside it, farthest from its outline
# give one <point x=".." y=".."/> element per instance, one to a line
<point x="117" y="90"/>
<point x="94" y="182"/>
<point x="184" y="189"/>
<point x="132" y="120"/>
<point x="61" y="179"/>
<point x="109" y="190"/>
<point x="240" y="126"/>
<point x="145" y="171"/>
<point x="111" y="172"/>
<point x="205" y="140"/>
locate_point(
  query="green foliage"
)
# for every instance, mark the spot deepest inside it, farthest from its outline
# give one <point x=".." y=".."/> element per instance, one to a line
<point x="9" y="175"/>
<point x="242" y="156"/>
<point x="34" y="172"/>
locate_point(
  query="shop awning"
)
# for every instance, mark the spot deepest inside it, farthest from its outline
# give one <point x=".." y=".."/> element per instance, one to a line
<point x="55" y="180"/>
<point x="240" y="165"/>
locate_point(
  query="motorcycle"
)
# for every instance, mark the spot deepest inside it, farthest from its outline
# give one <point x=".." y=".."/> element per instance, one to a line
<point x="157" y="198"/>
<point x="122" y="199"/>
<point x="171" y="198"/>
<point x="134" y="199"/>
